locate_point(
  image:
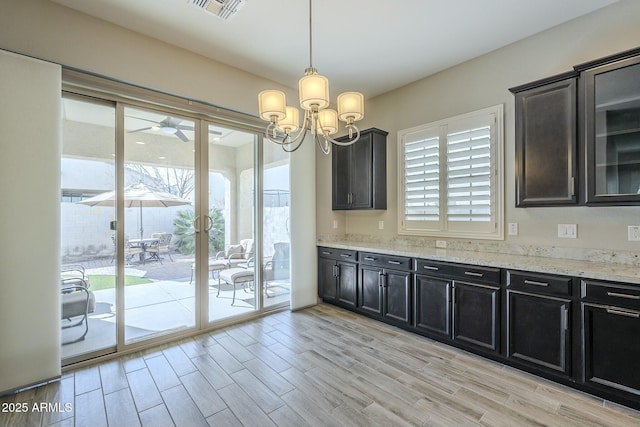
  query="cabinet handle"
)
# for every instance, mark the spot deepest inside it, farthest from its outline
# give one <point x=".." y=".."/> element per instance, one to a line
<point x="334" y="271"/>
<point x="326" y="253"/>
<point x="337" y="271"/>
<point x="380" y="279"/>
<point x="473" y="273"/>
<point x="368" y="258"/>
<point x="566" y="319"/>
<point x="345" y="255"/>
<point x="618" y="312"/>
<point x="394" y="262"/>
<point x="428" y="267"/>
<point x="534" y="282"/>
<point x="627" y="296"/>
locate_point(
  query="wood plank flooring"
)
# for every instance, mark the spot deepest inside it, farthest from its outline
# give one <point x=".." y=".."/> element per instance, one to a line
<point x="322" y="366"/>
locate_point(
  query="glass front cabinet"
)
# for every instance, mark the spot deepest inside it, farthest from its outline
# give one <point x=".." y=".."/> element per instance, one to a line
<point x="611" y="102"/>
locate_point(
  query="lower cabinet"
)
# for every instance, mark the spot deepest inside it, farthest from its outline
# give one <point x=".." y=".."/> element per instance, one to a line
<point x="476" y="315"/>
<point x="611" y="328"/>
<point x="539" y="332"/>
<point x="385" y="292"/>
<point x="612" y="353"/>
<point x="337" y="279"/>
<point x="432" y="305"/>
<point x="539" y="321"/>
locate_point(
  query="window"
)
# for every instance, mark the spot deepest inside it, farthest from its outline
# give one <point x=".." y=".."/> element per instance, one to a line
<point x="451" y="171"/>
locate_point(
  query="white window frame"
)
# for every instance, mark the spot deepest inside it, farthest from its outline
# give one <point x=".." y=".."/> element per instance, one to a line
<point x="441" y="227"/>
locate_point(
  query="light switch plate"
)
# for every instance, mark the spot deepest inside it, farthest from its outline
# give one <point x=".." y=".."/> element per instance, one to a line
<point x="442" y="244"/>
<point x="335" y="223"/>
<point x="633" y="233"/>
<point x="513" y="229"/>
<point x="380" y="225"/>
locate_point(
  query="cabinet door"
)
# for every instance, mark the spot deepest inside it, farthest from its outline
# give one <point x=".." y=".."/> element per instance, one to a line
<point x="611" y="350"/>
<point x="546" y="145"/>
<point x="341" y="177"/>
<point x="327" y="284"/>
<point x="347" y="283"/>
<point x="476" y="315"/>
<point x="370" y="298"/>
<point x="538" y="331"/>
<point x="361" y="166"/>
<point x="433" y="305"/>
<point x="397" y="296"/>
<point x="612" y="132"/>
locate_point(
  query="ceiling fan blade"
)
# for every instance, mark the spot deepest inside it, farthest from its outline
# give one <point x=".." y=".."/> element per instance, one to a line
<point x="146" y="120"/>
<point x="181" y="135"/>
<point x="187" y="127"/>
<point x="139" y="130"/>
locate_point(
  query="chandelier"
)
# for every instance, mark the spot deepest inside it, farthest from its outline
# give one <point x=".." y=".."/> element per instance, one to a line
<point x="319" y="120"/>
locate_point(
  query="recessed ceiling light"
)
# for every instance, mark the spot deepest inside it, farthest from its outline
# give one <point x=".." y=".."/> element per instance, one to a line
<point x="140" y="142"/>
<point x="162" y="157"/>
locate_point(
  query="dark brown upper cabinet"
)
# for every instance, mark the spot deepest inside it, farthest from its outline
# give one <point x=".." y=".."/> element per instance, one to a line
<point x="546" y="141"/>
<point x="359" y="172"/>
<point x="611" y="123"/>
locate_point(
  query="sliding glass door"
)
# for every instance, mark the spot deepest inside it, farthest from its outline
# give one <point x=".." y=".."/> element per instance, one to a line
<point x="88" y="170"/>
<point x="162" y="220"/>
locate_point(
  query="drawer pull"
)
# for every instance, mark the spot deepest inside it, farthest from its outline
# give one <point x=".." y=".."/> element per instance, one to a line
<point x="627" y="296"/>
<point x="428" y="267"/>
<point x="394" y="262"/>
<point x="534" y="282"/>
<point x="369" y="258"/>
<point x="473" y="273"/>
<point x="326" y="253"/>
<point x="633" y="314"/>
<point x="345" y="255"/>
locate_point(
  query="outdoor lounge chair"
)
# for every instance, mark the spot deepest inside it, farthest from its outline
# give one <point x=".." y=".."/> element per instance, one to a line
<point x="237" y="254"/>
<point x="76" y="299"/>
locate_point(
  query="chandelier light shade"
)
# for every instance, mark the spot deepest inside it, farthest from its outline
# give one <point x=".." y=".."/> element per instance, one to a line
<point x="272" y="105"/>
<point x="350" y="106"/>
<point x="328" y="121"/>
<point x="291" y="122"/>
<point x="313" y="90"/>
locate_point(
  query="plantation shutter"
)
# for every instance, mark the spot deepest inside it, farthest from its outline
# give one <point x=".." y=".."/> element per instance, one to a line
<point x="469" y="175"/>
<point x="422" y="175"/>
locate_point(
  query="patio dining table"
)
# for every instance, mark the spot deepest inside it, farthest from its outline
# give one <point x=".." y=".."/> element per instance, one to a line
<point x="144" y="244"/>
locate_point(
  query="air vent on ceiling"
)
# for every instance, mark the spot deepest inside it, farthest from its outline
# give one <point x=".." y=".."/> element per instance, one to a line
<point x="224" y="9"/>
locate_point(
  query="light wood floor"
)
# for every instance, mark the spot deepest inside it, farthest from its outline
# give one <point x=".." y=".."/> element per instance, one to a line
<point x="321" y="367"/>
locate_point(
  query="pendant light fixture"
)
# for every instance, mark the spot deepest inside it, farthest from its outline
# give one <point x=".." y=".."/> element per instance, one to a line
<point x="322" y="122"/>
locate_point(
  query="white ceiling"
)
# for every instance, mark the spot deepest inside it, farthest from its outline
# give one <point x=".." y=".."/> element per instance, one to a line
<point x="371" y="46"/>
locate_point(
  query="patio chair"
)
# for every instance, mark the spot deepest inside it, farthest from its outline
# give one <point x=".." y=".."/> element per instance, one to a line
<point x="75" y="274"/>
<point x="237" y="254"/>
<point x="160" y="246"/>
<point x="76" y="300"/>
<point x="276" y="268"/>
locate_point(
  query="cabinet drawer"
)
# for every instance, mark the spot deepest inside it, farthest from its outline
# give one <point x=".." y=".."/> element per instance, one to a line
<point x="611" y="294"/>
<point x="339" y="254"/>
<point x="385" y="261"/>
<point x="433" y="268"/>
<point x="473" y="273"/>
<point x="539" y="283"/>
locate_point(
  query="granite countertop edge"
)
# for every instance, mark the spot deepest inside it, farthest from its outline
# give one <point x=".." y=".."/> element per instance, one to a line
<point x="566" y="267"/>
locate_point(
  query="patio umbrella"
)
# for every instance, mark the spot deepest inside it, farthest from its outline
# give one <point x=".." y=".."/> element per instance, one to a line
<point x="137" y="195"/>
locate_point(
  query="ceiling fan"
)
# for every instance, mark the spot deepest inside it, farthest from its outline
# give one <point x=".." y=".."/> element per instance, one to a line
<point x="170" y="126"/>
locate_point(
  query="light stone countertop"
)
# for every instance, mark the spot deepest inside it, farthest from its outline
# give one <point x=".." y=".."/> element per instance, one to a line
<point x="588" y="269"/>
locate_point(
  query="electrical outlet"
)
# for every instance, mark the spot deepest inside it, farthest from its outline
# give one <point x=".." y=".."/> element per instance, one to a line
<point x="442" y="244"/>
<point x="380" y="225"/>
<point x="513" y="229"/>
<point x="335" y="223"/>
<point x="568" y="231"/>
<point x="633" y="233"/>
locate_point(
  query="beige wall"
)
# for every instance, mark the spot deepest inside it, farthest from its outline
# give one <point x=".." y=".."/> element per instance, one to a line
<point x="52" y="32"/>
<point x="484" y="82"/>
